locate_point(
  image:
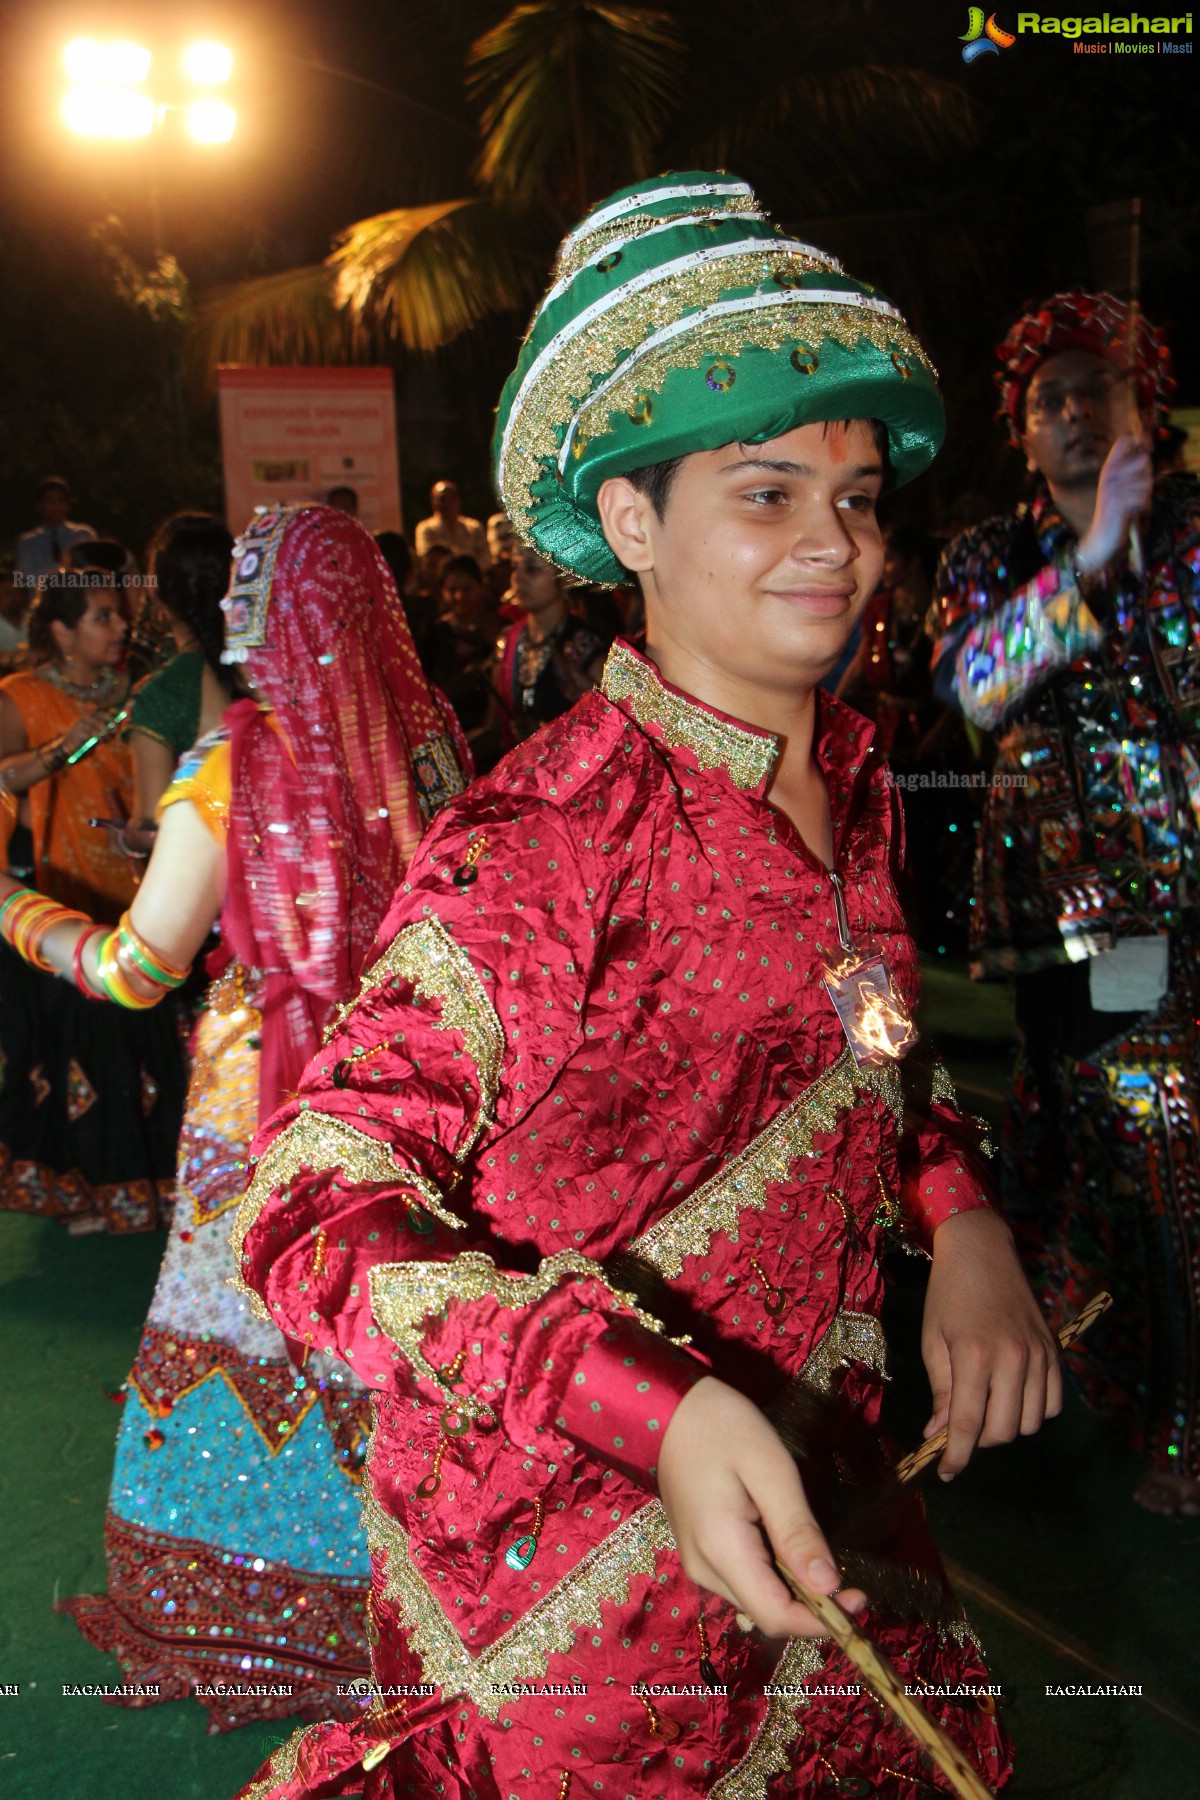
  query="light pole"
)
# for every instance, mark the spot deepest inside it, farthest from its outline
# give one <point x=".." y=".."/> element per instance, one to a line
<point x="109" y="99"/>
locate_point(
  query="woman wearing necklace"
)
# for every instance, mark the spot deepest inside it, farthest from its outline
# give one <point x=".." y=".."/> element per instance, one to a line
<point x="91" y="1100"/>
<point x="236" y="1564"/>
<point x="544" y="664"/>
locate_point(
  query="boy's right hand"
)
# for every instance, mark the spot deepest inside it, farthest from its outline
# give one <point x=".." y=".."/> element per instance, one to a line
<point x="734" y="1498"/>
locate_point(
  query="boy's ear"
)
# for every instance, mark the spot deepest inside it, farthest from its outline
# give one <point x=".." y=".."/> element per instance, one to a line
<point x="625" y="515"/>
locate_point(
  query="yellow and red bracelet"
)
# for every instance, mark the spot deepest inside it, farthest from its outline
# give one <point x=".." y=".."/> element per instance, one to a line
<point x="114" y="982"/>
<point x="125" y="946"/>
<point x="146" y="961"/>
<point x="26" y="920"/>
<point x="81" y="981"/>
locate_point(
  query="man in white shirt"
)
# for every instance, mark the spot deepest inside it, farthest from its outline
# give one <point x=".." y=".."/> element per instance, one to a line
<point x="447" y="525"/>
<point x="42" y="550"/>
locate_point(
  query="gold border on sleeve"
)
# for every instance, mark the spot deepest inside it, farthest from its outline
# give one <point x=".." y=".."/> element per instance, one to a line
<point x="405" y="1294"/>
<point x="282" y="1766"/>
<point x="426" y="956"/>
<point x="317" y="1141"/>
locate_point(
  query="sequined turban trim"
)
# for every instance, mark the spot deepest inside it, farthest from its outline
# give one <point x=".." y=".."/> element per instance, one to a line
<point x="678" y="319"/>
<point x="1100" y="324"/>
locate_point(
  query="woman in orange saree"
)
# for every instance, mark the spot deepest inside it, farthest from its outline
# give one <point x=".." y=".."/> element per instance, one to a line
<point x="90" y="1099"/>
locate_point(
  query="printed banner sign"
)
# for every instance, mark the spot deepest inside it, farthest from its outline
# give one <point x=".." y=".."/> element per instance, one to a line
<point x="298" y="434"/>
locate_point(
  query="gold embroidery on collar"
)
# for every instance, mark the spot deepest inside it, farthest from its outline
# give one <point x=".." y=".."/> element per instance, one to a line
<point x="282" y="1766"/>
<point x="768" y="1754"/>
<point x="741" y="1185"/>
<point x="551" y="1624"/>
<point x="852" y="1337"/>
<point x="314" y="1140"/>
<point x="426" y="956"/>
<point x="405" y="1294"/>
<point x="747" y="757"/>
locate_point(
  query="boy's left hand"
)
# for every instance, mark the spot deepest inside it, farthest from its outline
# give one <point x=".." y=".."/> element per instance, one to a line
<point x="991" y="1358"/>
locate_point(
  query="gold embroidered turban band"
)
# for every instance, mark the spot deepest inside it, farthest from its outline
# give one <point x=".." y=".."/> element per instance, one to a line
<point x="680" y="319"/>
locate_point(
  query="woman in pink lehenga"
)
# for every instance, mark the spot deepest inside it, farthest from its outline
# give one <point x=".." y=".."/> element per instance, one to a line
<point x="237" y="1569"/>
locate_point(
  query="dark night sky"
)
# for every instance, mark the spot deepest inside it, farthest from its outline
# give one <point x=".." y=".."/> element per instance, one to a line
<point x="1058" y="131"/>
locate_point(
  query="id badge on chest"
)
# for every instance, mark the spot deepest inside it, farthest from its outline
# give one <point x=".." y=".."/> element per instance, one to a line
<point x="877" y="1024"/>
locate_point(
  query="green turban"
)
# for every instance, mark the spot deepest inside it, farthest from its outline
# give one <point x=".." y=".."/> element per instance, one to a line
<point x="679" y="319"/>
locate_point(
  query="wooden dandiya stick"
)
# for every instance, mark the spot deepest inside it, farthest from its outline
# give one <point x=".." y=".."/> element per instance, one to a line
<point x="932" y="1448"/>
<point x="887" y="1686"/>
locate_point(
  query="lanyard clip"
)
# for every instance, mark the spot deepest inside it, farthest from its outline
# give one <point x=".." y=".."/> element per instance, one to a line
<point x="839" y="909"/>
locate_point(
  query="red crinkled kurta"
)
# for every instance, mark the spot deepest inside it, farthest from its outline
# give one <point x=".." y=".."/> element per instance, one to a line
<point x="609" y="1034"/>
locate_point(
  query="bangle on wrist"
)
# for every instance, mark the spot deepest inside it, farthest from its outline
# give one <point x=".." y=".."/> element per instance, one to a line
<point x="81" y="981"/>
<point x="26" y="920"/>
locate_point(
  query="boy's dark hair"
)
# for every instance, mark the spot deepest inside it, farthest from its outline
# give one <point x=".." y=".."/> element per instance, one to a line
<point x="190" y="559"/>
<point x="655" y="482"/>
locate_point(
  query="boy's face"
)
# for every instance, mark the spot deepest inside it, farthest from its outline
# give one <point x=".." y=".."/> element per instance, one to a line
<point x="766" y="553"/>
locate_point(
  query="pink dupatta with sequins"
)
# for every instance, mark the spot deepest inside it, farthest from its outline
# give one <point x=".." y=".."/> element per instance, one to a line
<point x="333" y="785"/>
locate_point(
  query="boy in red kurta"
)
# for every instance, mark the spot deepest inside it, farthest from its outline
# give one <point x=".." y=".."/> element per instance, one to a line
<point x="597" y="1055"/>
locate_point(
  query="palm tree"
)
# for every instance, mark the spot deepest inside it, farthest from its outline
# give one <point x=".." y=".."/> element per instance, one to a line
<point x="576" y="97"/>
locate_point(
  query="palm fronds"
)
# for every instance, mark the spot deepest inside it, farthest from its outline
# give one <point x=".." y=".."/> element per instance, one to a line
<point x="288" y="317"/>
<point x="572" y="95"/>
<point x="422" y="275"/>
<point x="836" y="133"/>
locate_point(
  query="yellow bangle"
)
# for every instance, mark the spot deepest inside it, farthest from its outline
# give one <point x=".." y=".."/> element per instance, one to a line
<point x="113" y="979"/>
<point x="146" y="961"/>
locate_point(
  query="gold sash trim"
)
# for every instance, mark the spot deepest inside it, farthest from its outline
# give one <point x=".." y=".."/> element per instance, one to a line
<point x="741" y="1185"/>
<point x="549" y="1628"/>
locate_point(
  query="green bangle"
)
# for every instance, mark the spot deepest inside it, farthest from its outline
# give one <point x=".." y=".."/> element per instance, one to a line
<point x="160" y="976"/>
<point x="17" y="894"/>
